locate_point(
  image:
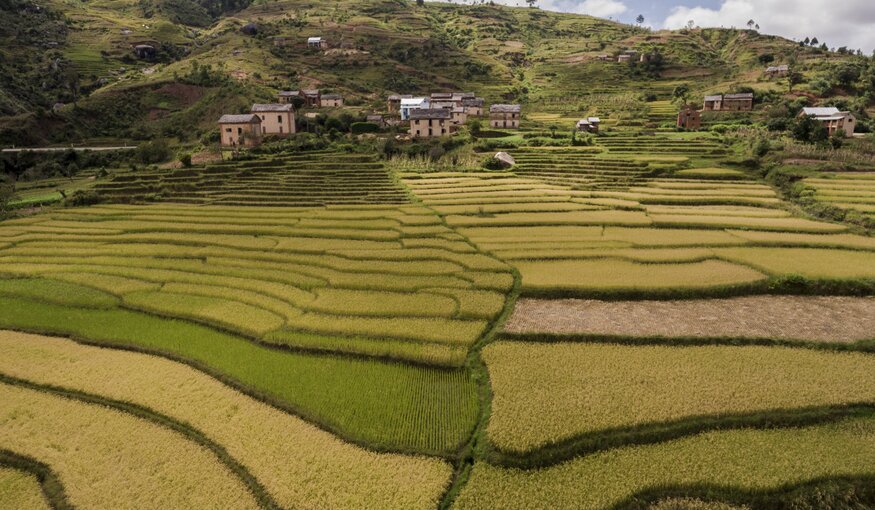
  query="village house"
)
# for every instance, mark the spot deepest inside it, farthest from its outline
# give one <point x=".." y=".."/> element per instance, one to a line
<point x="836" y="122"/>
<point x="442" y="104"/>
<point x="431" y="122"/>
<point x="276" y="119"/>
<point x="473" y="106"/>
<point x="504" y="116"/>
<point x="738" y="102"/>
<point x="393" y="103"/>
<point x="624" y="58"/>
<point x="459" y="115"/>
<point x="331" y="101"/>
<point x="317" y="43"/>
<point x="777" y="71"/>
<point x="288" y="96"/>
<point x="312" y="98"/>
<point x="412" y="103"/>
<point x="441" y="96"/>
<point x="240" y="130"/>
<point x="713" y="103"/>
<point x="589" y="125"/>
<point x="604" y="57"/>
<point x="376" y="119"/>
<point x="689" y="119"/>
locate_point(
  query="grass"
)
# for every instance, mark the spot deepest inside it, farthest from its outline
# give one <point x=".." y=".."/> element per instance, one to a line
<point x="21" y="489"/>
<point x="137" y="463"/>
<point x="281" y="450"/>
<point x="389" y="406"/>
<point x="741" y="463"/>
<point x="547" y="393"/>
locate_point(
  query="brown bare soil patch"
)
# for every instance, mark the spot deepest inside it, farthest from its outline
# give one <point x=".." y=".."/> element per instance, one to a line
<point x="185" y="94"/>
<point x="812" y="318"/>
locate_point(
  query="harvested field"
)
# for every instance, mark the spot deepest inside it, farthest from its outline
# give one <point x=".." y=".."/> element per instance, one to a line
<point x="109" y="459"/>
<point x="545" y="393"/>
<point x="279" y="449"/>
<point x="742" y="460"/>
<point x="811" y="318"/>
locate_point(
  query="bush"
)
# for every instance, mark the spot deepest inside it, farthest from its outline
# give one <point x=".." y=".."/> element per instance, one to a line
<point x="492" y="163"/>
<point x="156" y="151"/>
<point x="185" y="159"/>
<point x="358" y="128"/>
<point x="807" y="129"/>
<point x="82" y="198"/>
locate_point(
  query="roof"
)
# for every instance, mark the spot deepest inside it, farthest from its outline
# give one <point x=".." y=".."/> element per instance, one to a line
<point x="394" y="97"/>
<point x="144" y="46"/>
<point x="713" y="98"/>
<point x="441" y="95"/>
<point x="332" y="96"/>
<point x="746" y="95"/>
<point x="272" y="107"/>
<point x="505" y="108"/>
<point x="245" y="118"/>
<point x="594" y="120"/>
<point x="311" y="92"/>
<point x="474" y="101"/>
<point x="778" y="69"/>
<point x="431" y="113"/>
<point x="463" y="95"/>
<point x="290" y="93"/>
<point x="584" y="122"/>
<point x="314" y="39"/>
<point x="820" y="112"/>
<point x="443" y="104"/>
<point x="413" y="101"/>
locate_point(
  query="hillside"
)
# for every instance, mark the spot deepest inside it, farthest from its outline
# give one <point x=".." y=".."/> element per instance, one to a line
<point x="204" y="64"/>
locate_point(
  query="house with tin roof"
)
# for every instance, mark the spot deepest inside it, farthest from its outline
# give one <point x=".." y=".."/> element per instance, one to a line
<point x="240" y="130"/>
<point x="835" y="121"/>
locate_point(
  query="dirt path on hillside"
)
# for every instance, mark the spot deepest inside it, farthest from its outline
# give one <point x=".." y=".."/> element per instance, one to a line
<point x="814" y="318"/>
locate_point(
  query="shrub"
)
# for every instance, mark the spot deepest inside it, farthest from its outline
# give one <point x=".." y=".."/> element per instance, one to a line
<point x="492" y="163"/>
<point x="185" y="159"/>
<point x="358" y="128"/>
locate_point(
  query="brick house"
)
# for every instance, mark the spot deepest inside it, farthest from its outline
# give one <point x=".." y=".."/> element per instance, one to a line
<point x="589" y="125"/>
<point x="690" y="119"/>
<point x="331" y="101"/>
<point x="836" y="122"/>
<point x="312" y="98"/>
<point x="738" y="102"/>
<point x="474" y="106"/>
<point x="431" y="122"/>
<point x="713" y="103"/>
<point x="240" y="130"/>
<point x="276" y="119"/>
<point x="505" y="116"/>
<point x="288" y="96"/>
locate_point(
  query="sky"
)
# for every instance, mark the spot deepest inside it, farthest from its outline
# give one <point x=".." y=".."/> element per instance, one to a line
<point x="848" y="23"/>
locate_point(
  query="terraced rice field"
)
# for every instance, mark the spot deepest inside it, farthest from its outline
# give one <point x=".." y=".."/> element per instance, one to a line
<point x="337" y="349"/>
<point x="746" y="460"/>
<point x="549" y="393"/>
<point x="21" y="489"/>
<point x="312" y="179"/>
<point x="846" y="190"/>
<point x="279" y="449"/>
<point x="663" y="235"/>
<point x="114" y="459"/>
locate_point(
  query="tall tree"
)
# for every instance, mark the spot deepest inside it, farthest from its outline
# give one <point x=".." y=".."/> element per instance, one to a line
<point x="681" y="92"/>
<point x="532" y="3"/>
<point x="640" y="19"/>
<point x="814" y="41"/>
<point x="751" y="23"/>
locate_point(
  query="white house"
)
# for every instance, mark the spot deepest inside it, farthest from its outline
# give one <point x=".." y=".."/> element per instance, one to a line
<point x="833" y="120"/>
<point x="413" y="103"/>
<point x="317" y="43"/>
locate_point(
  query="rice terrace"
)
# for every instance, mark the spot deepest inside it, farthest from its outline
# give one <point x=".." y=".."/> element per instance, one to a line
<point x="352" y="254"/>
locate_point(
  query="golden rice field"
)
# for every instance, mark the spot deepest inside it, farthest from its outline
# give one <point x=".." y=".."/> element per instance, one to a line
<point x="109" y="459"/>
<point x="21" y="490"/>
<point x="744" y="459"/>
<point x="845" y="190"/>
<point x="545" y="393"/>
<point x="280" y="450"/>
<point x="393" y="274"/>
<point x="676" y="234"/>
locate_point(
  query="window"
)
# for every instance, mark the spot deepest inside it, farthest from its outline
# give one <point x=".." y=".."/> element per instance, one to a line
<point x="281" y="129"/>
<point x="227" y="130"/>
<point x="279" y="118"/>
<point x="262" y="117"/>
<point x="239" y="131"/>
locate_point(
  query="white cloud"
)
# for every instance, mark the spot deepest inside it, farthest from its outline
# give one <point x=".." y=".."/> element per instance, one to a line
<point x="838" y="23"/>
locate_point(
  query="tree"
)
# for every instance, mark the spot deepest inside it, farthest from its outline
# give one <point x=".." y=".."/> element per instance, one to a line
<point x="814" y="41"/>
<point x="640" y="19"/>
<point x="766" y="58"/>
<point x="7" y="193"/>
<point x="807" y="41"/>
<point x="532" y="3"/>
<point x="420" y="2"/>
<point x="690" y="24"/>
<point x="757" y="27"/>
<point x="794" y="78"/>
<point x="750" y="24"/>
<point x="809" y="130"/>
<point x="681" y="92"/>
